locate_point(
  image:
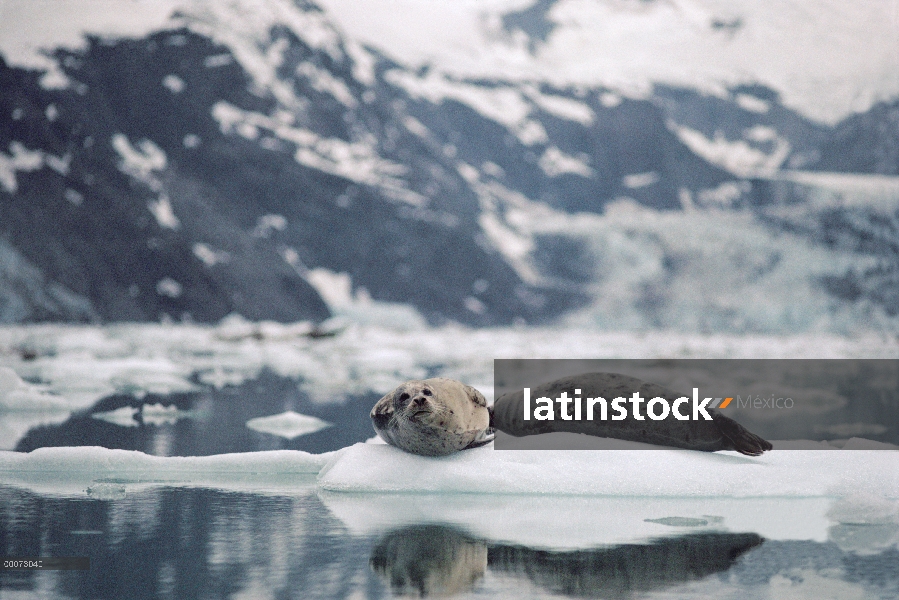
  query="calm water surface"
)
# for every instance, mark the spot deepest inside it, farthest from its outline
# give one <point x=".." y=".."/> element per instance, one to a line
<point x="152" y="540"/>
<point x="202" y="543"/>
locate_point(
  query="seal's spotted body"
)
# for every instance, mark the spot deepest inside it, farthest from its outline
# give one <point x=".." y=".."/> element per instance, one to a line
<point x="433" y="417"/>
<point x="436" y="417"/>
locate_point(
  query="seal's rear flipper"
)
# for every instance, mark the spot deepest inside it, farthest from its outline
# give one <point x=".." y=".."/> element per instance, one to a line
<point x="741" y="439"/>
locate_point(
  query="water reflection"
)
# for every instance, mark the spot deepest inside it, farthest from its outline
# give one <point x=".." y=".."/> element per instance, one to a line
<point x="434" y="560"/>
<point x="167" y="542"/>
<point x="429" y="560"/>
<point x="183" y="543"/>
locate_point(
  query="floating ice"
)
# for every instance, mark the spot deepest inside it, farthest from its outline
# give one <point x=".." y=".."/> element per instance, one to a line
<point x="95" y="464"/>
<point x="681" y="521"/>
<point x="24" y="405"/>
<point x="288" y="424"/>
<point x="123" y="416"/>
<point x="107" y="491"/>
<point x="18" y="396"/>
<point x="379" y="468"/>
<point x="669" y="473"/>
<point x="579" y="499"/>
<point x="158" y="414"/>
<point x="9" y="381"/>
<point x="78" y="365"/>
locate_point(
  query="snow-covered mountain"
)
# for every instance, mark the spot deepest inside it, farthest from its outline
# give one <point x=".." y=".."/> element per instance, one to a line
<point x="286" y="161"/>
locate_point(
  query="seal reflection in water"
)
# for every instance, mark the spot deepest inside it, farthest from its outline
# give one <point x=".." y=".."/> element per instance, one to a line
<point x="437" y="560"/>
<point x="436" y="417"/>
<point x="429" y="560"/>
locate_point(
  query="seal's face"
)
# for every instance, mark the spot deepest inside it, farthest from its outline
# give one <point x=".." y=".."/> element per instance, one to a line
<point x="433" y="417"/>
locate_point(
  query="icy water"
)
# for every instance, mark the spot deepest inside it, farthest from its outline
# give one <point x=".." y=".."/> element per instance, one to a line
<point x="205" y="543"/>
<point x="146" y="539"/>
<point x="191" y="392"/>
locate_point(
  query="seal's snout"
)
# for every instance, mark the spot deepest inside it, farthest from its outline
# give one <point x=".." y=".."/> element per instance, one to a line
<point x="422" y="397"/>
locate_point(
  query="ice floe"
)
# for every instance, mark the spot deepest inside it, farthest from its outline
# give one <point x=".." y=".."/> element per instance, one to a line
<point x="668" y="473"/>
<point x="583" y="498"/>
<point x="123" y="416"/>
<point x="379" y="468"/>
<point x="68" y="470"/>
<point x="288" y="424"/>
<point x="160" y="414"/>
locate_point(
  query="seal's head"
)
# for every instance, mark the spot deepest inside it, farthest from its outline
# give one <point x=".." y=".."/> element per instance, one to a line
<point x="433" y="417"/>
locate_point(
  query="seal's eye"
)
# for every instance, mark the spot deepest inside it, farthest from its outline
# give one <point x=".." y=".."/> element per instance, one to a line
<point x="426" y="392"/>
<point x="404" y="396"/>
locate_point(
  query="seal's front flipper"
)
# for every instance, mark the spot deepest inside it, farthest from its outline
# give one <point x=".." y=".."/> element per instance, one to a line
<point x="740" y="439"/>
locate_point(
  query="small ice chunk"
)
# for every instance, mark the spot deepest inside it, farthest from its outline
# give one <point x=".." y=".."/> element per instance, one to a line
<point x="9" y="380"/>
<point x="106" y="491"/>
<point x="288" y="424"/>
<point x="679" y="522"/>
<point x="158" y="414"/>
<point x="123" y="416"/>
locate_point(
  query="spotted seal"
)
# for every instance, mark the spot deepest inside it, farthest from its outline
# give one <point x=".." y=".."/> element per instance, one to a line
<point x="435" y="417"/>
